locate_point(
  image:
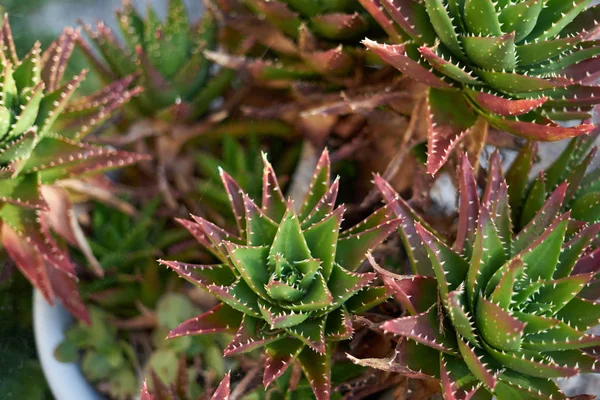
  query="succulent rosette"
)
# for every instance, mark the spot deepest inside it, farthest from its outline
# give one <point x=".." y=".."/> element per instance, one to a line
<point x="167" y="59"/>
<point x="502" y="311"/>
<point x="522" y="65"/>
<point x="41" y="128"/>
<point x="287" y="281"/>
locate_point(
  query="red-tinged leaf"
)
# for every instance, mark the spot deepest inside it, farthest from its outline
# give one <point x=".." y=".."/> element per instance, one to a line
<point x="200" y="236"/>
<point x="202" y="275"/>
<point x="377" y="12"/>
<point x="7" y="42"/>
<point x="88" y="122"/>
<point x="347" y="283"/>
<point x="543" y="219"/>
<point x="412" y="18"/>
<point x="279" y="356"/>
<point x="273" y="202"/>
<point x="319" y="186"/>
<point x="102" y="97"/>
<point x="221" y="318"/>
<point x="449" y="118"/>
<point x="215" y="234"/>
<point x="468" y="212"/>
<point x="585" y="72"/>
<point x="497" y="326"/>
<point x="542" y="129"/>
<point x="29" y="225"/>
<point x="479" y="363"/>
<point x="451" y="371"/>
<point x="396" y="56"/>
<point x="224" y="389"/>
<point x="317" y="368"/>
<point x="416" y="251"/>
<point x="260" y="229"/>
<point x="234" y="193"/>
<point x="588" y="263"/>
<point x="422" y="328"/>
<point x="324" y="207"/>
<point x="56" y="58"/>
<point x="352" y="250"/>
<point x="505" y="106"/>
<point x="338" y="26"/>
<point x="415" y="293"/>
<point x="160" y="389"/>
<point x="450" y="268"/>
<point x="574" y="250"/>
<point x="28" y="261"/>
<point x="66" y="290"/>
<point x="252" y="334"/>
<point x="332" y="62"/>
<point x="145" y="393"/>
<point x="380" y="216"/>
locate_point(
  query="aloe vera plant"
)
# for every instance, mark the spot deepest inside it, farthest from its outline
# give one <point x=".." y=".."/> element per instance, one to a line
<point x="41" y="128"/>
<point x="500" y="311"/>
<point x="519" y="65"/>
<point x="287" y="281"/>
<point x="166" y="57"/>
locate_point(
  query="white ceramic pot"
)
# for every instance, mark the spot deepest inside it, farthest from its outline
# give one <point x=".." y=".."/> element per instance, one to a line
<point x="66" y="381"/>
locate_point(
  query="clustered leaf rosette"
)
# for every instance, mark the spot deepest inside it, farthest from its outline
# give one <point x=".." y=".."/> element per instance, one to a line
<point x="167" y="58"/>
<point x="520" y="65"/>
<point x="502" y="311"/>
<point x="288" y="280"/>
<point x="306" y="40"/>
<point x="40" y="143"/>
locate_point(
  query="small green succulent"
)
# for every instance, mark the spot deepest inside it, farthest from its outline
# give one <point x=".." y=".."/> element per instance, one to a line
<point x="502" y="311"/>
<point x="41" y="129"/>
<point x="287" y="281"/>
<point x="520" y="65"/>
<point x="167" y="58"/>
<point x="104" y="356"/>
<point x="126" y="248"/>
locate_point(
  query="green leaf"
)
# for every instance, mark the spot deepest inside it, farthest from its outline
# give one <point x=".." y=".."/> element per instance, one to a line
<point x="520" y="18"/>
<point x="322" y="239"/>
<point x="497" y="327"/>
<point x="251" y="263"/>
<point x="444" y="27"/>
<point x="481" y="18"/>
<point x="491" y="52"/>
